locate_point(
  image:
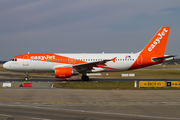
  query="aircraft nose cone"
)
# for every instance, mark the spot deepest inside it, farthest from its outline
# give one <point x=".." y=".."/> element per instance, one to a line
<point x="5" y="66"/>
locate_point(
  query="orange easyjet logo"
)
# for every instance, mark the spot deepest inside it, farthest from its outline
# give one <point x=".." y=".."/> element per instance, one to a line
<point x="157" y="40"/>
<point x="43" y="57"/>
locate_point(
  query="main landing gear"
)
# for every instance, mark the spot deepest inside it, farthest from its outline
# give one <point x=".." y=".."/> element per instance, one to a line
<point x="85" y="78"/>
<point x="27" y="76"/>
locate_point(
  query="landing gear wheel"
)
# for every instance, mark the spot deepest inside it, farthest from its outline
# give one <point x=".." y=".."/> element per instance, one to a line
<point x="26" y="78"/>
<point x="85" y="78"/>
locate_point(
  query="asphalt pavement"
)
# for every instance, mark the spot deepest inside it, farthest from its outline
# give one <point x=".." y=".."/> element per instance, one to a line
<point x="43" y="102"/>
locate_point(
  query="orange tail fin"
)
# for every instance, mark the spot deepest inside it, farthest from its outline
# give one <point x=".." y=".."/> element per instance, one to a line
<point x="154" y="49"/>
<point x="157" y="45"/>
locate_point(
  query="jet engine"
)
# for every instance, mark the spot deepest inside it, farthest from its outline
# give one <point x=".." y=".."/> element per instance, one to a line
<point x="64" y="72"/>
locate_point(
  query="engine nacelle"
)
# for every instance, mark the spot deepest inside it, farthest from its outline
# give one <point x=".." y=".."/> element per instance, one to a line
<point x="65" y="72"/>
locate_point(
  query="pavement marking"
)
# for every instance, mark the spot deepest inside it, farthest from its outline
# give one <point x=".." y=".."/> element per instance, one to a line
<point x="50" y="101"/>
<point x="124" y="114"/>
<point x="53" y="101"/>
<point x="52" y="85"/>
<point x="24" y="117"/>
<point x="95" y="112"/>
<point x="64" y="102"/>
<point x="34" y="118"/>
<point x="5" y="115"/>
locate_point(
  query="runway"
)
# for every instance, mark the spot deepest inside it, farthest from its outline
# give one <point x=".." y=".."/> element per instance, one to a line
<point x="67" y="104"/>
<point x="42" y="102"/>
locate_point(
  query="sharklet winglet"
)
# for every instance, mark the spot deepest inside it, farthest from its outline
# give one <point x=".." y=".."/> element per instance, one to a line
<point x="113" y="59"/>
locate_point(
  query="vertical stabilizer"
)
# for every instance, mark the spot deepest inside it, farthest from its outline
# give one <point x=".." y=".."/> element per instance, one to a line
<point x="157" y="45"/>
<point x="154" y="49"/>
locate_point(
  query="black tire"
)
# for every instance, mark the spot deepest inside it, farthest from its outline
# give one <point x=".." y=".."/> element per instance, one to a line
<point x="85" y="78"/>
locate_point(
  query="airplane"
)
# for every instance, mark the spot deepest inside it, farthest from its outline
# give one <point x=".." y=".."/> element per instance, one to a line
<point x="67" y="65"/>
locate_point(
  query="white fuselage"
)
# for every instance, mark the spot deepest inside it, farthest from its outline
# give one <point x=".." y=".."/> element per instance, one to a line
<point x="122" y="63"/>
<point x="66" y="65"/>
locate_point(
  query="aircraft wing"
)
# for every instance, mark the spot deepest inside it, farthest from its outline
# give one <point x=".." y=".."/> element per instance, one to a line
<point x="94" y="64"/>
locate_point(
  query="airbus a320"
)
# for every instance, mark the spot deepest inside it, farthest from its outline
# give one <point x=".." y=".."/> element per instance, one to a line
<point x="67" y="65"/>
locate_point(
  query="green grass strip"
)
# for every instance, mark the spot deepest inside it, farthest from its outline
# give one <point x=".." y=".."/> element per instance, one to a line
<point x="106" y="86"/>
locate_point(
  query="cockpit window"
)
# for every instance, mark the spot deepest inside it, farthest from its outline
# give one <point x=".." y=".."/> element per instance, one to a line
<point x="13" y="59"/>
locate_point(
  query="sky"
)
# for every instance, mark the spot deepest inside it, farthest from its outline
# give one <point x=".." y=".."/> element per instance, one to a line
<point x="85" y="26"/>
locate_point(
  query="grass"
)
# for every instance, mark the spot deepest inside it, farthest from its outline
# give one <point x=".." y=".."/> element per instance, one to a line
<point x="146" y="73"/>
<point x="164" y="66"/>
<point x="94" y="85"/>
<point x="106" y="86"/>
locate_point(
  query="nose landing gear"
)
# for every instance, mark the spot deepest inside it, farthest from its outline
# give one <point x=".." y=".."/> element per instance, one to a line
<point x="27" y="76"/>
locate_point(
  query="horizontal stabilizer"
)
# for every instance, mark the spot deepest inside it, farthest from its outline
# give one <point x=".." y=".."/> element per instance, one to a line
<point x="165" y="57"/>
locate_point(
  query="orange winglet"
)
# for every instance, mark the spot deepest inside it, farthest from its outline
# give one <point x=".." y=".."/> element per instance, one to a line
<point x="113" y="59"/>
